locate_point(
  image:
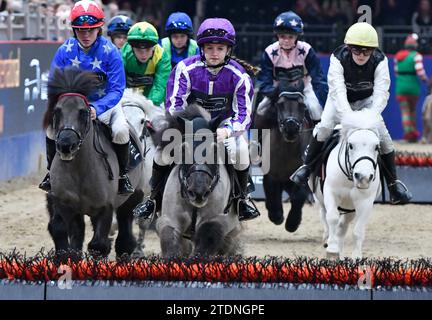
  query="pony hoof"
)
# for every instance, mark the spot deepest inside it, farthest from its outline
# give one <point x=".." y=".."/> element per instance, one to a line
<point x="277" y="219"/>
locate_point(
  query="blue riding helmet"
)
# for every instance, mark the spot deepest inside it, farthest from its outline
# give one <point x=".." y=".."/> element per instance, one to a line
<point x="179" y="22"/>
<point x="119" y="24"/>
<point x="288" y="22"/>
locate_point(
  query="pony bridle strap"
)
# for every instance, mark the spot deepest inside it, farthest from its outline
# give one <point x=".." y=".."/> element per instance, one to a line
<point x="350" y="166"/>
<point x="72" y="128"/>
<point x="197" y="168"/>
<point x="74" y="94"/>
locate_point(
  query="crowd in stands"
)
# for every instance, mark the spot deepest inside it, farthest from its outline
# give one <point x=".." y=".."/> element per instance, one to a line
<point x="417" y="13"/>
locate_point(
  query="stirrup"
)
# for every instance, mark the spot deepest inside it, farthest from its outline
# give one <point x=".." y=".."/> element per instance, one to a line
<point x="301" y="175"/>
<point x="252" y="211"/>
<point x="399" y="196"/>
<point x="144" y="210"/>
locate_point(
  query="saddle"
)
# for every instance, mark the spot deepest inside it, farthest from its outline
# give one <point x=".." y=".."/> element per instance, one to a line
<point x="136" y="152"/>
<point x="321" y="161"/>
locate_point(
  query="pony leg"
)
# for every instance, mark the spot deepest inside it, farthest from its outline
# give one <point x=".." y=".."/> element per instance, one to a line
<point x="325" y="236"/>
<point x="76" y="231"/>
<point x="57" y="226"/>
<point x="298" y="196"/>
<point x="332" y="218"/>
<point x="125" y="242"/>
<point x="363" y="213"/>
<point x="170" y="241"/>
<point x="100" y="243"/>
<point x="273" y="199"/>
<point x="342" y="229"/>
<point x="209" y="238"/>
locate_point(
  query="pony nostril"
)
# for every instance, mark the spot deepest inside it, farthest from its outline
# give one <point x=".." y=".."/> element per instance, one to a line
<point x="371" y="177"/>
<point x="357" y="175"/>
<point x="191" y="195"/>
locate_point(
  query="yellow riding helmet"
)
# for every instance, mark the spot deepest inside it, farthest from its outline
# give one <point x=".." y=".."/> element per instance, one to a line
<point x="362" y="34"/>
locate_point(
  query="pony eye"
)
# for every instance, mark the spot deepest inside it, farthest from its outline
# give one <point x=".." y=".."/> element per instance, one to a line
<point x="376" y="148"/>
<point x="351" y="146"/>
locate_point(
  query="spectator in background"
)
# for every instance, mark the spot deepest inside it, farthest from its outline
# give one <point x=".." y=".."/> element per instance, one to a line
<point x="337" y="11"/>
<point x="394" y="12"/>
<point x="3" y="5"/>
<point x="310" y="11"/>
<point x="422" y="17"/>
<point x="427" y="117"/>
<point x="409" y="69"/>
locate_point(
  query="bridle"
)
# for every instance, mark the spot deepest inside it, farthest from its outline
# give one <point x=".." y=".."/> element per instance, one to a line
<point x="284" y="121"/>
<point x="72" y="128"/>
<point x="348" y="169"/>
<point x="184" y="174"/>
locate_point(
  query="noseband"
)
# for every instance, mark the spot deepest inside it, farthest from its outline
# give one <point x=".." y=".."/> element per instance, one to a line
<point x="348" y="169"/>
<point x="184" y="175"/>
<point x="282" y="122"/>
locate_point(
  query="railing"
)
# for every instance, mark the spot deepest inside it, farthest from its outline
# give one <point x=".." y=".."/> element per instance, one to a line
<point x="252" y="38"/>
<point x="32" y="25"/>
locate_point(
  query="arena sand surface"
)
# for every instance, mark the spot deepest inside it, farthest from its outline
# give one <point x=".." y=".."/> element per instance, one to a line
<point x="393" y="231"/>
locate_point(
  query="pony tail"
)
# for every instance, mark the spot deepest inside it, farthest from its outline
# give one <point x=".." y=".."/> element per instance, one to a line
<point x="253" y="70"/>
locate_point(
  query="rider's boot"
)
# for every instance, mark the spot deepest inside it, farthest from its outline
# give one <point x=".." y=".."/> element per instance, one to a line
<point x="50" y="153"/>
<point x="146" y="209"/>
<point x="124" y="185"/>
<point x="244" y="209"/>
<point x="313" y="150"/>
<point x="399" y="193"/>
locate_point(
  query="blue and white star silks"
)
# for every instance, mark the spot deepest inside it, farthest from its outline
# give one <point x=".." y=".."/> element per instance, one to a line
<point x="68" y="46"/>
<point x="102" y="59"/>
<point x="75" y="62"/>
<point x="96" y="63"/>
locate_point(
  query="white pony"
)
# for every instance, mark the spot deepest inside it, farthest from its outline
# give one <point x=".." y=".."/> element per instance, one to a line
<point x="352" y="182"/>
<point x="138" y="111"/>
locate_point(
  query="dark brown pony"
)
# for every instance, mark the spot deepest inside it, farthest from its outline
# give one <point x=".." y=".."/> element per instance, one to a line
<point x="84" y="170"/>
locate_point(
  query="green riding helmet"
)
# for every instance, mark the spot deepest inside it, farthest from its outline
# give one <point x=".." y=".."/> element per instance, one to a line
<point x="142" y="35"/>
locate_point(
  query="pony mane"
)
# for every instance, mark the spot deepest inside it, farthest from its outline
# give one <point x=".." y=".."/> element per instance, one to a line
<point x="176" y="121"/>
<point x="151" y="111"/>
<point x="69" y="80"/>
<point x="365" y="119"/>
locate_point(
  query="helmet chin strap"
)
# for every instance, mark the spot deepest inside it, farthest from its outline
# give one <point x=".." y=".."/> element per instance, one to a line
<point x="224" y="63"/>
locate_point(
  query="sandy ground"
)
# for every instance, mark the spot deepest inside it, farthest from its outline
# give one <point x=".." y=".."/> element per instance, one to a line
<point x="393" y="231"/>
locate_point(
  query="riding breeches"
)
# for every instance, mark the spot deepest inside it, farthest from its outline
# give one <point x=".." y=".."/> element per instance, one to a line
<point x="330" y="118"/>
<point x="311" y="102"/>
<point x="116" y="119"/>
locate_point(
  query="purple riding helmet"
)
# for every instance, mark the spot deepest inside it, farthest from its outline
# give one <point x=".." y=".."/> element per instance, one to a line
<point x="216" y="30"/>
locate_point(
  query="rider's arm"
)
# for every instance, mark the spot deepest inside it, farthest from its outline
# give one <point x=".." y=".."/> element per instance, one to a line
<point x="337" y="87"/>
<point x="158" y="90"/>
<point x="319" y="81"/>
<point x="265" y="77"/>
<point x="241" y="106"/>
<point x="381" y="87"/>
<point x="116" y="83"/>
<point x="178" y="88"/>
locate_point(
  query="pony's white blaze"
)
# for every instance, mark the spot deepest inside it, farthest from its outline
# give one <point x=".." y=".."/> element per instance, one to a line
<point x="352" y="182"/>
